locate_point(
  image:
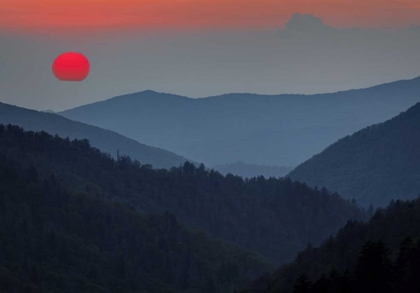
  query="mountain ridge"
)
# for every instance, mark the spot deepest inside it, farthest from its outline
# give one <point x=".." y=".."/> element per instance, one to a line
<point x="396" y="227"/>
<point x="243" y="212"/>
<point x="247" y="94"/>
<point x="212" y="129"/>
<point x="374" y="165"/>
<point x="58" y="239"/>
<point x="105" y="140"/>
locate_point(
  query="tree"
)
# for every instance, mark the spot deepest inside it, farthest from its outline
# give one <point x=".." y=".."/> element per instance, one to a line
<point x="374" y="268"/>
<point x="322" y="285"/>
<point x="302" y="284"/>
<point x="371" y="210"/>
<point x="34" y="276"/>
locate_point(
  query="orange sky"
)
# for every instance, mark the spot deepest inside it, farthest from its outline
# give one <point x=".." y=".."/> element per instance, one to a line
<point x="47" y="15"/>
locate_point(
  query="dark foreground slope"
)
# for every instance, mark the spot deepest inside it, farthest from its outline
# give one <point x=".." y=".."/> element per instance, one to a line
<point x="55" y="240"/>
<point x="281" y="130"/>
<point x="382" y="255"/>
<point x="273" y="217"/>
<point x="105" y="140"/>
<point x="374" y="165"/>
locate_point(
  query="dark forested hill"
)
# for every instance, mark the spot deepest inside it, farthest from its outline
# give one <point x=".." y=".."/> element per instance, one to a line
<point x="281" y="130"/>
<point x="250" y="170"/>
<point x="56" y="240"/>
<point x="273" y="217"/>
<point x="382" y="255"/>
<point x="105" y="140"/>
<point x="374" y="165"/>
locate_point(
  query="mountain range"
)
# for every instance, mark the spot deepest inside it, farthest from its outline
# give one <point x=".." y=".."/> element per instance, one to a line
<point x="55" y="238"/>
<point x="272" y="217"/>
<point x="85" y="209"/>
<point x="374" y="165"/>
<point x="105" y="140"/>
<point x="282" y="130"/>
<point x="381" y="254"/>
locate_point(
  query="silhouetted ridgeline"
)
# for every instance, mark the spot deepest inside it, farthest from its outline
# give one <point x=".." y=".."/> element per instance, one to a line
<point x="273" y="217"/>
<point x="375" y="165"/>
<point x="53" y="239"/>
<point x="281" y="130"/>
<point x="382" y="255"/>
<point x="105" y="140"/>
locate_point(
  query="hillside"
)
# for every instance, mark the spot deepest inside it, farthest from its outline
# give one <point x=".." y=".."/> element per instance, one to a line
<point x="250" y="170"/>
<point x="105" y="140"/>
<point x="280" y="130"/>
<point x="374" y="165"/>
<point x="55" y="240"/>
<point x="382" y="254"/>
<point x="273" y="217"/>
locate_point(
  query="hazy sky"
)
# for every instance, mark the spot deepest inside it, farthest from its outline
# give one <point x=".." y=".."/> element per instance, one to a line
<point x="45" y="14"/>
<point x="204" y="47"/>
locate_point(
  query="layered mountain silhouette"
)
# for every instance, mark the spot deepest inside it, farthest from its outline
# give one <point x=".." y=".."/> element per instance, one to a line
<point x="272" y="217"/>
<point x="282" y="130"/>
<point x="63" y="235"/>
<point x="375" y="165"/>
<point x="383" y="253"/>
<point x="105" y="140"/>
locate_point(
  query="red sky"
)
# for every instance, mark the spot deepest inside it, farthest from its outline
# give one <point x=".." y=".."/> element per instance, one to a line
<point x="48" y="15"/>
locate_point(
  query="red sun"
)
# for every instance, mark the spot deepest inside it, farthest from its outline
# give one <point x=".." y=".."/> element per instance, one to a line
<point x="71" y="66"/>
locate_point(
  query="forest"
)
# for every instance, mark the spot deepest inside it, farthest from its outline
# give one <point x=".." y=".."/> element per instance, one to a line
<point x="273" y="217"/>
<point x="105" y="140"/>
<point x="381" y="255"/>
<point x="375" y="165"/>
<point x="56" y="240"/>
<point x="74" y="219"/>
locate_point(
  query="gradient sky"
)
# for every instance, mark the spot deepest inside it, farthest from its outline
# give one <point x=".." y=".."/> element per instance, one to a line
<point x="201" y="48"/>
<point x="169" y="14"/>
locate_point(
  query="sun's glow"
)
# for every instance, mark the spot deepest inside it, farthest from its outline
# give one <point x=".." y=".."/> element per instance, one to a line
<point x="189" y="14"/>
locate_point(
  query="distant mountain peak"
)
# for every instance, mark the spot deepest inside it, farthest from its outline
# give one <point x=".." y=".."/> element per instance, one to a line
<point x="282" y="130"/>
<point x="149" y="92"/>
<point x="146" y="94"/>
